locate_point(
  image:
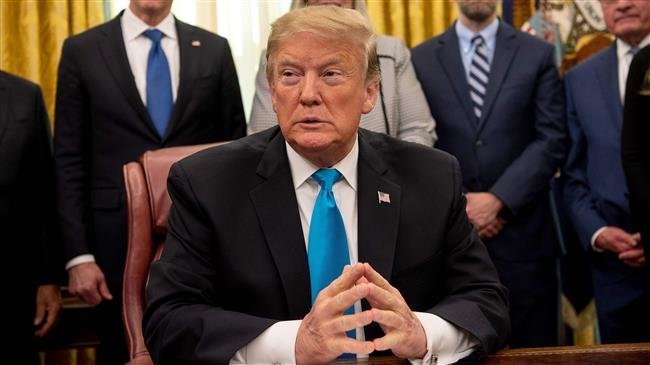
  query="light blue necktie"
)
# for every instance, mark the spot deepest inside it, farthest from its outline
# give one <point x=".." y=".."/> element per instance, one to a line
<point x="328" y="244"/>
<point x="160" y="100"/>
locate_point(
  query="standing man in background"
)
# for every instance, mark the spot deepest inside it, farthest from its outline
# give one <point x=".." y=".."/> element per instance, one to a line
<point x="28" y="215"/>
<point x="595" y="189"/>
<point x="141" y="81"/>
<point x="498" y="102"/>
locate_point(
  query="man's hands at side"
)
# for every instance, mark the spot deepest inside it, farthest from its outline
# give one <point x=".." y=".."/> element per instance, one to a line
<point x="321" y="336"/>
<point x="88" y="283"/>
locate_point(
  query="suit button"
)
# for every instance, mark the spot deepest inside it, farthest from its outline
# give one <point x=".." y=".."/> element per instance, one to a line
<point x="479" y="143"/>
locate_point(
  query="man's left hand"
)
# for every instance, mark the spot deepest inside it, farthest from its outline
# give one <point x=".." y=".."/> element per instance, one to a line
<point x="404" y="334"/>
<point x="48" y="307"/>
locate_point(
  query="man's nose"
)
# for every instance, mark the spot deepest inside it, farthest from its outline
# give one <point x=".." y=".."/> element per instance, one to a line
<point x="310" y="93"/>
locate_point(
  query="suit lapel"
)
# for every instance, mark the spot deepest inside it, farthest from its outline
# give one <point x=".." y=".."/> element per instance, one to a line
<point x="608" y="80"/>
<point x="378" y="221"/>
<point x="504" y="52"/>
<point x="190" y="55"/>
<point x="449" y="56"/>
<point x="4" y="107"/>
<point x="114" y="54"/>
<point x="276" y="206"/>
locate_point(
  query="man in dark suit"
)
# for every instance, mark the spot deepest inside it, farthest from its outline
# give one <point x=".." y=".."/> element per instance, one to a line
<point x="141" y="81"/>
<point x="595" y="188"/>
<point x="634" y="144"/>
<point x="27" y="214"/>
<point x="240" y="278"/>
<point x="497" y="97"/>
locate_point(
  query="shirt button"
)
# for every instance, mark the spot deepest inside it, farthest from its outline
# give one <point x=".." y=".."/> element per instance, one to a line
<point x="479" y="143"/>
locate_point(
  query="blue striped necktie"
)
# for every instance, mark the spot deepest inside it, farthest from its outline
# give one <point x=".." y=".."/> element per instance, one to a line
<point x="160" y="100"/>
<point x="479" y="71"/>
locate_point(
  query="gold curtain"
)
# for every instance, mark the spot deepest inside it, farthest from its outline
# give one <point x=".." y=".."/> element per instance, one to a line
<point x="32" y="33"/>
<point x="415" y="21"/>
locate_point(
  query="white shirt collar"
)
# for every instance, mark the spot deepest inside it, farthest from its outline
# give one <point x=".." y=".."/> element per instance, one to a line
<point x="132" y="26"/>
<point x="622" y="48"/>
<point x="302" y="169"/>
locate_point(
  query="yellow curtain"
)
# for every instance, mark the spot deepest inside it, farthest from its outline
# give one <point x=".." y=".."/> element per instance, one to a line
<point x="415" y="21"/>
<point x="32" y="33"/>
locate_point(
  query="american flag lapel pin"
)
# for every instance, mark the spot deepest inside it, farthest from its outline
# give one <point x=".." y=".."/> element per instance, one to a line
<point x="383" y="197"/>
<point x="196" y="43"/>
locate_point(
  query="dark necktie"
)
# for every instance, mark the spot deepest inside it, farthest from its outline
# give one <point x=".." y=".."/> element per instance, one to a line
<point x="160" y="100"/>
<point x="479" y="71"/>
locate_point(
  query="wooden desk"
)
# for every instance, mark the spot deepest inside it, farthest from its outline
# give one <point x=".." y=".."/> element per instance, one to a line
<point x="622" y="354"/>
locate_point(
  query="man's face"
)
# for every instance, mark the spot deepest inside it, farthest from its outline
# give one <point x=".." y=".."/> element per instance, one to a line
<point x="477" y="10"/>
<point x="319" y="93"/>
<point x="157" y="7"/>
<point x="627" y="19"/>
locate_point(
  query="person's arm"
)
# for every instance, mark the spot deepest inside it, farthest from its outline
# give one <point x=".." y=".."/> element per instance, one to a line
<point x="576" y="191"/>
<point x="71" y="154"/>
<point x="231" y="110"/>
<point x="532" y="171"/>
<point x="414" y="120"/>
<point x="475" y="302"/>
<point x="634" y="143"/>
<point x="262" y="114"/>
<point x="185" y="321"/>
<point x="47" y="248"/>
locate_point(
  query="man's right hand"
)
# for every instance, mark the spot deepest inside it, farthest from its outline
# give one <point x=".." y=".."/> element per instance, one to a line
<point x="88" y="283"/>
<point x="321" y="337"/>
<point x="616" y="240"/>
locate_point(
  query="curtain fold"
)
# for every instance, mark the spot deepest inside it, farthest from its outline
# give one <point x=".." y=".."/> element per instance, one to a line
<point x="32" y="33"/>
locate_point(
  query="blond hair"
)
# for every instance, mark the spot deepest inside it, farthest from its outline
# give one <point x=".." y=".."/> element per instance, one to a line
<point x="332" y="23"/>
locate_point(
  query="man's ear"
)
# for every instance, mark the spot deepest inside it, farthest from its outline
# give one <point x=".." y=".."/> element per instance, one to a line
<point x="372" y="90"/>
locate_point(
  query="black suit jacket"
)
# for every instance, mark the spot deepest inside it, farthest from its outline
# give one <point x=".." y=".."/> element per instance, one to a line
<point x="27" y="214"/>
<point x="520" y="140"/>
<point x="635" y="146"/>
<point x="235" y="260"/>
<point x="102" y="123"/>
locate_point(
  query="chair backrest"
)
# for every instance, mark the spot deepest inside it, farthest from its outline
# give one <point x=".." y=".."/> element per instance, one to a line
<point x="148" y="206"/>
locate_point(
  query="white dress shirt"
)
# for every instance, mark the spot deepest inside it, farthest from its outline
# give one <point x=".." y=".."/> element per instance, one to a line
<point x="137" y="51"/>
<point x="624" y="57"/>
<point x="445" y="343"/>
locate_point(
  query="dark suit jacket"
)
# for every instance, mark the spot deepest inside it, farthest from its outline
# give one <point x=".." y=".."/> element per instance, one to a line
<point x="102" y="123"/>
<point x="235" y="260"/>
<point x="519" y="142"/>
<point x="27" y="212"/>
<point x="635" y="146"/>
<point x="595" y="189"/>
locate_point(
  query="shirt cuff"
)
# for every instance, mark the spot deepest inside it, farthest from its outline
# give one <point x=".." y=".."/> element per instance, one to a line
<point x="593" y="239"/>
<point x="446" y="344"/>
<point x="81" y="259"/>
<point x="276" y="345"/>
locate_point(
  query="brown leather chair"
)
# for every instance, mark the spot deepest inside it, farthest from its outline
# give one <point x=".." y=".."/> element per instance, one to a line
<point x="148" y="208"/>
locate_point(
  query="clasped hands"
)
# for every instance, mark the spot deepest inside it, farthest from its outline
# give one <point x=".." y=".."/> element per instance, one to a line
<point x="321" y="337"/>
<point x="483" y="211"/>
<point x="627" y="246"/>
